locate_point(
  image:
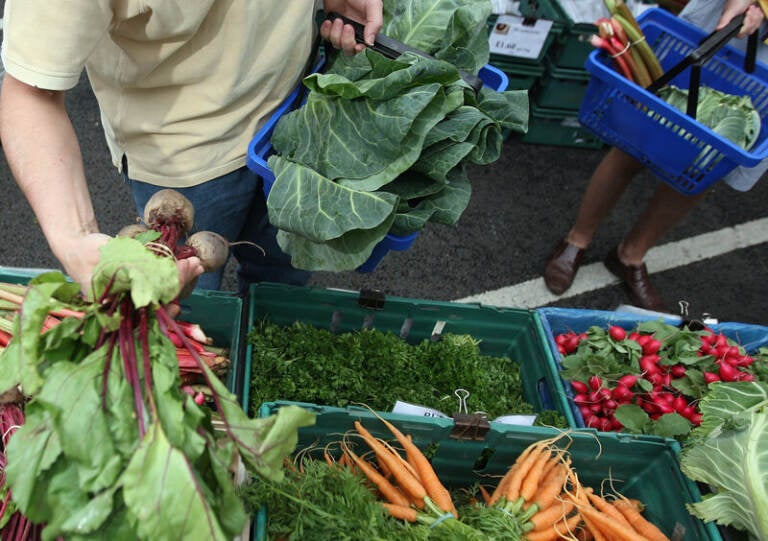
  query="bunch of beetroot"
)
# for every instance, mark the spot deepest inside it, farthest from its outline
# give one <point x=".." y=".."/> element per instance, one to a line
<point x="650" y="379"/>
<point x="171" y="216"/>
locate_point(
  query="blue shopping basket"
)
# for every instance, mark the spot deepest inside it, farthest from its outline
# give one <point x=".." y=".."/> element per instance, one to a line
<point x="674" y="146"/>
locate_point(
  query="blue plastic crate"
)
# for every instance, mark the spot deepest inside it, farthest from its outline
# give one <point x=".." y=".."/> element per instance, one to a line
<point x="676" y="148"/>
<point x="260" y="148"/>
<point x="556" y="321"/>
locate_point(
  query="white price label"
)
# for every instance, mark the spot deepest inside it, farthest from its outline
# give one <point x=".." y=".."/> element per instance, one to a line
<point x="415" y="409"/>
<point x="514" y="36"/>
<point x="524" y="420"/>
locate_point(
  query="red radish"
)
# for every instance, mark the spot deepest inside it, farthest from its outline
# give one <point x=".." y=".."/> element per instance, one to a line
<point x="644" y="339"/>
<point x="648" y="364"/>
<point x="678" y="370"/>
<point x="579" y="386"/>
<point x="651" y="346"/>
<point x="617" y="333"/>
<point x="628" y="380"/>
<point x="622" y="394"/>
<point x="728" y="372"/>
<point x="595" y="382"/>
<point x="711" y="377"/>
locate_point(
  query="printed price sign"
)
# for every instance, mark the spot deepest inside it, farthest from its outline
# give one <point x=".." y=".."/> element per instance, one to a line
<point x="516" y="36"/>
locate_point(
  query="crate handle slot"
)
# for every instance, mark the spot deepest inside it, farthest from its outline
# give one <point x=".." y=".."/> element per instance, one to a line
<point x="371" y="298"/>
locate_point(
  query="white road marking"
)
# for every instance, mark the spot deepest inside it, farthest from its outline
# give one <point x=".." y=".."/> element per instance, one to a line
<point x="533" y="293"/>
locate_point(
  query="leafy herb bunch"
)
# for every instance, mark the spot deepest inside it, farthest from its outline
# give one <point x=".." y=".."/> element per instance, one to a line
<point x="649" y="380"/>
<point x="301" y="362"/>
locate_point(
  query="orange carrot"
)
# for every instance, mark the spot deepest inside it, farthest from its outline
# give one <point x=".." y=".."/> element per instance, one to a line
<point x="402" y="512"/>
<point x="531" y="481"/>
<point x="601" y="504"/>
<point x="387" y="489"/>
<point x="545" y="519"/>
<point x="484" y="493"/>
<point x="513" y="489"/>
<point x="608" y="526"/>
<point x="562" y="529"/>
<point x="551" y="487"/>
<point x="405" y="479"/>
<point x="424" y="470"/>
<point x="641" y="524"/>
<point x="503" y="484"/>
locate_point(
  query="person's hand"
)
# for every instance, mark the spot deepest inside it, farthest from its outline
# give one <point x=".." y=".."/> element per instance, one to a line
<point x="79" y="256"/>
<point x="342" y="36"/>
<point x="753" y="16"/>
<point x="82" y="253"/>
<point x="189" y="269"/>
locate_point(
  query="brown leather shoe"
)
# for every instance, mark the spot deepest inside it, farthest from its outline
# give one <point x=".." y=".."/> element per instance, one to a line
<point x="562" y="266"/>
<point x="637" y="282"/>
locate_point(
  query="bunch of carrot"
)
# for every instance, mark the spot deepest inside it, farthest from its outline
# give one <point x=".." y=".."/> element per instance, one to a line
<point x="542" y="490"/>
<point x="409" y="484"/>
<point x="620" y="37"/>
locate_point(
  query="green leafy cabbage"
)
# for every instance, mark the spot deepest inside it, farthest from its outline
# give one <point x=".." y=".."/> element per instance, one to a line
<point x="381" y="145"/>
<point x="733" y="117"/>
<point x="729" y="452"/>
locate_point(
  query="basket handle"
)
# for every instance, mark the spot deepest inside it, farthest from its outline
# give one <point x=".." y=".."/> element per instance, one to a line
<point x="706" y="50"/>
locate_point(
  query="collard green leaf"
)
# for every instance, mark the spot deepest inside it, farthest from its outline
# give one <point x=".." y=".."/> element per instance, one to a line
<point x="344" y="253"/>
<point x="304" y="202"/>
<point x="729" y="453"/>
<point x="449" y="29"/>
<point x="733" y="117"/>
<point x="370" y="123"/>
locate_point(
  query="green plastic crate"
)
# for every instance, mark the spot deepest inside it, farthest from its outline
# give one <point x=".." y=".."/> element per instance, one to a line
<point x="561" y="88"/>
<point x="573" y="47"/>
<point x="558" y="127"/>
<point x="515" y="333"/>
<point x="636" y="466"/>
<point x="220" y="314"/>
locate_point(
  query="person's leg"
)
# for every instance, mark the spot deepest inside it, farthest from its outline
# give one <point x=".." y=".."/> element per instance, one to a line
<point x="606" y="186"/>
<point x="665" y="210"/>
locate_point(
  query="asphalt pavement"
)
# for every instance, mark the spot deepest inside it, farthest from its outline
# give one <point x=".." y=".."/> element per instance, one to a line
<point x="520" y="208"/>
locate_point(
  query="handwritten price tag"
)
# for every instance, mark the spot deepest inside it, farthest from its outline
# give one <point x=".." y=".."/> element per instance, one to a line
<point x="515" y="36"/>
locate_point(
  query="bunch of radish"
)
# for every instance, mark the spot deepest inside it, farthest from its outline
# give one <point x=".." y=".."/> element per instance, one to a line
<point x="660" y="369"/>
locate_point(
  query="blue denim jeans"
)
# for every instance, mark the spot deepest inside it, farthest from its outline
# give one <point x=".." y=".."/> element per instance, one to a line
<point x="234" y="206"/>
